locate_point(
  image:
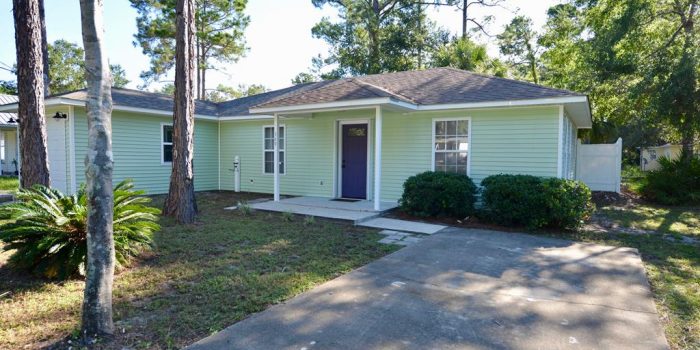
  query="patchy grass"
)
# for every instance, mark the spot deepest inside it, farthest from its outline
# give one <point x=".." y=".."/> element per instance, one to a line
<point x="198" y="280"/>
<point x="633" y="177"/>
<point x="673" y="220"/>
<point x="8" y="184"/>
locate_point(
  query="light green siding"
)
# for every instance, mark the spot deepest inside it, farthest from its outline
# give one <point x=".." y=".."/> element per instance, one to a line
<point x="512" y="140"/>
<point x="509" y="140"/>
<point x="310" y="152"/>
<point x="136" y="144"/>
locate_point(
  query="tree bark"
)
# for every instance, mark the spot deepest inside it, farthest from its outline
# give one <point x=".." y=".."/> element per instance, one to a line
<point x="97" y="303"/>
<point x="689" y="47"/>
<point x="465" y="5"/>
<point x="44" y="50"/>
<point x="34" y="162"/>
<point x="180" y="202"/>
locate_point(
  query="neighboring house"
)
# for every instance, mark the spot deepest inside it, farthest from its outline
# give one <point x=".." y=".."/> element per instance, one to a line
<point x="649" y="156"/>
<point x="9" y="153"/>
<point x="354" y="138"/>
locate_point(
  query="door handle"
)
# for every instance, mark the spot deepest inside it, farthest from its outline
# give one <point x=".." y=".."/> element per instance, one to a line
<point x="343" y="165"/>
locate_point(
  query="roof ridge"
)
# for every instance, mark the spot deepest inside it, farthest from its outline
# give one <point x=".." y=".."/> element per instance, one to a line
<point x="516" y="81"/>
<point x="366" y="85"/>
<point x="298" y="91"/>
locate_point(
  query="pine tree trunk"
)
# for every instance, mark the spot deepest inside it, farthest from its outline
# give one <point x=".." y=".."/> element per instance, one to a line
<point x="45" y="50"/>
<point x="97" y="303"/>
<point x="464" y="18"/>
<point x="181" y="202"/>
<point x="34" y="163"/>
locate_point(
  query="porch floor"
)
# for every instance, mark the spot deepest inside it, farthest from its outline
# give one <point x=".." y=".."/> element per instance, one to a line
<point x="356" y="212"/>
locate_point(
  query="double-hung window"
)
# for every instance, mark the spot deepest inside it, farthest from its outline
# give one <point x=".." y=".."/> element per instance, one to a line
<point x="166" y="146"/>
<point x="451" y="145"/>
<point x="269" y="149"/>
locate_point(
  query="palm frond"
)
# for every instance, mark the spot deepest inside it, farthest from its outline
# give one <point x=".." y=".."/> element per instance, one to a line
<point x="48" y="229"/>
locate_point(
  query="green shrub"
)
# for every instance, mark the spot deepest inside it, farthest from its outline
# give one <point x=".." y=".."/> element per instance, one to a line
<point x="676" y="182"/>
<point x="438" y="194"/>
<point x="525" y="200"/>
<point x="48" y="228"/>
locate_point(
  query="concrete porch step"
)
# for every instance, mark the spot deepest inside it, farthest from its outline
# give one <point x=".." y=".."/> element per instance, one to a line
<point x="402" y="225"/>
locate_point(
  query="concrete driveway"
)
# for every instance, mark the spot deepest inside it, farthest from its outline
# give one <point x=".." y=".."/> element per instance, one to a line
<point x="468" y="289"/>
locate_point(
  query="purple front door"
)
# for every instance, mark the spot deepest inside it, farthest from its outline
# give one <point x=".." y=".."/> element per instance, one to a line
<point x="354" y="161"/>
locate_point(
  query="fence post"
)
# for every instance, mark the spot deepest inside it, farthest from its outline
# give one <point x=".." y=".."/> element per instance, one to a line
<point x="618" y="152"/>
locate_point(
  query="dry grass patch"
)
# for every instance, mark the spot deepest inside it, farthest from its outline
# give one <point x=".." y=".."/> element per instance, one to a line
<point x="198" y="280"/>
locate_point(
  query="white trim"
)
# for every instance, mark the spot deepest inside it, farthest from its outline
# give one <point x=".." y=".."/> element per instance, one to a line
<point x="378" y="157"/>
<point x="246" y="117"/>
<point x="512" y="103"/>
<point x="60" y="101"/>
<point x="360" y="103"/>
<point x="284" y="168"/>
<point x="163" y="143"/>
<point x="560" y="143"/>
<point x="71" y="149"/>
<point x="218" y="152"/>
<point x="339" y="163"/>
<point x="470" y="142"/>
<point x="276" y="157"/>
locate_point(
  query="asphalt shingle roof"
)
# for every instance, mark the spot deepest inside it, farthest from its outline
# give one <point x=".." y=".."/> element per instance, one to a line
<point x="5" y="117"/>
<point x="144" y="99"/>
<point x="425" y="87"/>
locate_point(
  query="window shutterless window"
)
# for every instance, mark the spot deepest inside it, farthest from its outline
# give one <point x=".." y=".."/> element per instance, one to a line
<point x="167" y="143"/>
<point x="269" y="149"/>
<point x="451" y="145"/>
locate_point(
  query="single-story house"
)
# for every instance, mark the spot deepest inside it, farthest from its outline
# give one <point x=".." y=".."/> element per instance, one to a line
<point x="9" y="153"/>
<point x="649" y="156"/>
<point x="359" y="137"/>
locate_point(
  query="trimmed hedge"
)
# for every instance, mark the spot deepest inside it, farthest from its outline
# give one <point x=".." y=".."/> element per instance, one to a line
<point x="677" y="182"/>
<point x="438" y="194"/>
<point x="535" y="202"/>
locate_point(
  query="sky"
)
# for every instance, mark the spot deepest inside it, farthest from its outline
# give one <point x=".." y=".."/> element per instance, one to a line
<point x="278" y="37"/>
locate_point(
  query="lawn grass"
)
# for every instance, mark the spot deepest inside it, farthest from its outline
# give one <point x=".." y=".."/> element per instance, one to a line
<point x="198" y="280"/>
<point x="8" y="184"/>
<point x="660" y="219"/>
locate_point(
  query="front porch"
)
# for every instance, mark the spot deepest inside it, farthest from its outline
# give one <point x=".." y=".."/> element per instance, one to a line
<point x="356" y="211"/>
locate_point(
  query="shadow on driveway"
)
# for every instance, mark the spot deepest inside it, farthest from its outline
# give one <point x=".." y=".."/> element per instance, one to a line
<point x="468" y="289"/>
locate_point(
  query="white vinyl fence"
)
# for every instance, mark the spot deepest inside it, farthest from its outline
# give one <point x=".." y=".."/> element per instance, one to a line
<point x="600" y="166"/>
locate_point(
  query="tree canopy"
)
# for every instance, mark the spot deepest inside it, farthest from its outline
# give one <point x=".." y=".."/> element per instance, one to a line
<point x="377" y="36"/>
<point x="220" y="26"/>
<point x="67" y="68"/>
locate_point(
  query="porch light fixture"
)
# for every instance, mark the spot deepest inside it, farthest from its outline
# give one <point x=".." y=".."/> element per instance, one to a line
<point x="60" y="115"/>
<point x="12" y="120"/>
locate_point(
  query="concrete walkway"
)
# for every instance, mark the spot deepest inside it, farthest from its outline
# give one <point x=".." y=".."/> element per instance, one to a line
<point x="355" y="211"/>
<point x="468" y="289"/>
<point x="402" y="225"/>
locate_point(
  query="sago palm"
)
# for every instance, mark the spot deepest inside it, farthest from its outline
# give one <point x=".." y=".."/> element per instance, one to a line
<point x="48" y="229"/>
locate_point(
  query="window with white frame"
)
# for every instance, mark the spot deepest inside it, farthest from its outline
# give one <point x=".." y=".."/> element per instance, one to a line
<point x="269" y="149"/>
<point x="167" y="143"/>
<point x="451" y="145"/>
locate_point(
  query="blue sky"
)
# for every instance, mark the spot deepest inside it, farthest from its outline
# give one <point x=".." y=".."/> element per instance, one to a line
<point x="279" y="36"/>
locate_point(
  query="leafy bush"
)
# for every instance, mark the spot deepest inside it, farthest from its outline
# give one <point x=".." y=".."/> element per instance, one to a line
<point x="676" y="182"/>
<point x="438" y="194"/>
<point x="48" y="229"/>
<point x="525" y="200"/>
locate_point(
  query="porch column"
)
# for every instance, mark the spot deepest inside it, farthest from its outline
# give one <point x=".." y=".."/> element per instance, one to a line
<point x="377" y="157"/>
<point x="276" y="158"/>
